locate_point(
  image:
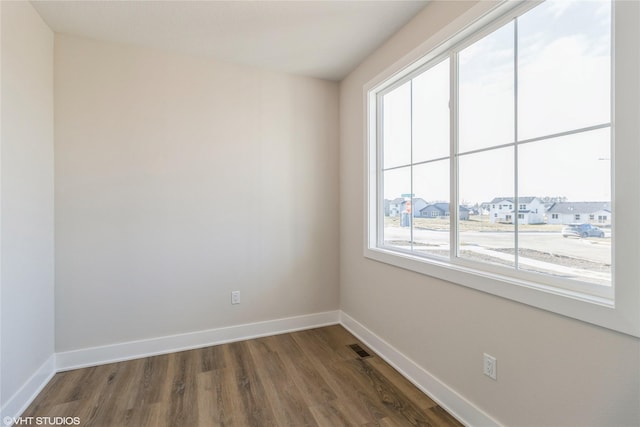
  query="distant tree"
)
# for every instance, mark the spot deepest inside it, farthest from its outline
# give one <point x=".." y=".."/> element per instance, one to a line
<point x="553" y="199"/>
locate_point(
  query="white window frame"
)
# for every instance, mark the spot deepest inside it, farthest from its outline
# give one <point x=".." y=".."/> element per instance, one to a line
<point x="621" y="310"/>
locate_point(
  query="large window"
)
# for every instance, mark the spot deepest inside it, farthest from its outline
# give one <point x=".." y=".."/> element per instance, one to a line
<point x="498" y="146"/>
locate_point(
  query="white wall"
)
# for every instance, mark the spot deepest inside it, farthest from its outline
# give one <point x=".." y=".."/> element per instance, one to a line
<point x="180" y="179"/>
<point x="552" y="370"/>
<point x="27" y="300"/>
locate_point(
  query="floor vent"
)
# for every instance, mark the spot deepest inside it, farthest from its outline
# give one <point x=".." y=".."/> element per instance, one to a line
<point x="359" y="351"/>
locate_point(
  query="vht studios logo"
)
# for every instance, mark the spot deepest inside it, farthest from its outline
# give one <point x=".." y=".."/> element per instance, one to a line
<point x="41" y="421"/>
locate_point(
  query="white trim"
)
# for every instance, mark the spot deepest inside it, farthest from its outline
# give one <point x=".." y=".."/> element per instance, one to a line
<point x="22" y="398"/>
<point x="168" y="344"/>
<point x="455" y="404"/>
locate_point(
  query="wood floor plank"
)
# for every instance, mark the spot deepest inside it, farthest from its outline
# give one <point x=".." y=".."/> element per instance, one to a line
<point x="214" y="402"/>
<point x="183" y="410"/>
<point x="70" y="386"/>
<point x="150" y="388"/>
<point x="384" y="422"/>
<point x="359" y="400"/>
<point x="233" y="393"/>
<point x="305" y="378"/>
<point x="249" y="386"/>
<point x="311" y="384"/>
<point x="374" y="389"/>
<point x="431" y="413"/>
<point x="441" y="417"/>
<point x="399" y="407"/>
<point x="211" y="358"/>
<point x="333" y="414"/>
<point x="157" y="415"/>
<point x="102" y="405"/>
<point x="325" y="363"/>
<point x="409" y="390"/>
<point x="288" y="403"/>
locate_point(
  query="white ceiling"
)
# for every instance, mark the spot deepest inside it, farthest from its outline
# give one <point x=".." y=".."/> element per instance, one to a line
<point x="324" y="39"/>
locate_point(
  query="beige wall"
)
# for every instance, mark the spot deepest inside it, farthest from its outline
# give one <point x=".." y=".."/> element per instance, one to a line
<point x="552" y="370"/>
<point x="26" y="279"/>
<point x="180" y="179"/>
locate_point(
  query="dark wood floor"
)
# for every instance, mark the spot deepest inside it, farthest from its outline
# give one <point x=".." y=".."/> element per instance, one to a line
<point x="307" y="378"/>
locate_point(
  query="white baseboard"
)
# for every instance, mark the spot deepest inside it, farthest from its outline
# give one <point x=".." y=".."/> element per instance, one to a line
<point x="150" y="347"/>
<point x="466" y="412"/>
<point x="29" y="390"/>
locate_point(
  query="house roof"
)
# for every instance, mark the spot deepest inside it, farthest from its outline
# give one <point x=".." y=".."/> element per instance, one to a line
<point x="442" y="207"/>
<point x="579" y="207"/>
<point x="510" y="199"/>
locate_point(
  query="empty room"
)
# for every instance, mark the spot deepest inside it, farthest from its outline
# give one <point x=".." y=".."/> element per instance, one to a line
<point x="320" y="213"/>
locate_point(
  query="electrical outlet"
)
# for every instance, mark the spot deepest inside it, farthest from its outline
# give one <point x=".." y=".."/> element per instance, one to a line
<point x="235" y="297"/>
<point x="490" y="366"/>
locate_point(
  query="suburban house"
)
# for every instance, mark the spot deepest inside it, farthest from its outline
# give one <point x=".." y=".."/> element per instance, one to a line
<point x="588" y="212"/>
<point x="126" y="126"/>
<point x="396" y="206"/>
<point x="417" y="204"/>
<point x="530" y="210"/>
<point x="441" y="210"/>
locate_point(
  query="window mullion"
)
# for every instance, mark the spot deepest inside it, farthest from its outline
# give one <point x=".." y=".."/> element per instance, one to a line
<point x="411" y="193"/>
<point x="516" y="218"/>
<point x="453" y="157"/>
<point x="380" y="171"/>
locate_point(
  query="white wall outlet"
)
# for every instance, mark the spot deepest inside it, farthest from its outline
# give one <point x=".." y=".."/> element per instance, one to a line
<point x="235" y="297"/>
<point x="490" y="366"/>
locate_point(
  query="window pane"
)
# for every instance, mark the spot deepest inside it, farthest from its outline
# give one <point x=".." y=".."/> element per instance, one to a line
<point x="572" y="175"/>
<point x="564" y="67"/>
<point x="487" y="179"/>
<point x="486" y="94"/>
<point x="396" y="121"/>
<point x="431" y="113"/>
<point x="397" y="220"/>
<point x="561" y="82"/>
<point x="431" y="208"/>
